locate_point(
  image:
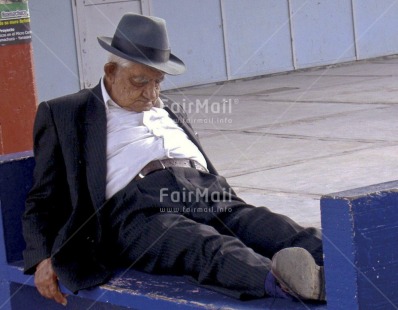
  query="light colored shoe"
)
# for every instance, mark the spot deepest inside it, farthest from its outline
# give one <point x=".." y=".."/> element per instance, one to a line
<point x="298" y="274"/>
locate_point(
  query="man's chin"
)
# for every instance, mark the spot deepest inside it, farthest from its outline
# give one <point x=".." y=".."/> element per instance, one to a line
<point x="147" y="107"/>
<point x="140" y="109"/>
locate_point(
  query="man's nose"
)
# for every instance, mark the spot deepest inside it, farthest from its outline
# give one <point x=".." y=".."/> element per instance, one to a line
<point x="151" y="91"/>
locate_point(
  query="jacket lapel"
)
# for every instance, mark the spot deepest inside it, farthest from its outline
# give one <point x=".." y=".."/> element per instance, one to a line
<point x="95" y="146"/>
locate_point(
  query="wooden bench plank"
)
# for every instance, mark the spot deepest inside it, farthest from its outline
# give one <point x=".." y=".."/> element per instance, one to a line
<point x="360" y="234"/>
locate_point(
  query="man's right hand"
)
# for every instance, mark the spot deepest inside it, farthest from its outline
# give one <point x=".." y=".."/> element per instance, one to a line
<point x="46" y="282"/>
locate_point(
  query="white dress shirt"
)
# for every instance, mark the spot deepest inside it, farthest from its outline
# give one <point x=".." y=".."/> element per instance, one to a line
<point x="135" y="139"/>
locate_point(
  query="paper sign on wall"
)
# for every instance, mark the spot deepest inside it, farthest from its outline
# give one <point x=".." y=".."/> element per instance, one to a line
<point x="14" y="22"/>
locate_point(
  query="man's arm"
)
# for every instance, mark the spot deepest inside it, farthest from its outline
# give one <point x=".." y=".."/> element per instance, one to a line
<point x="44" y="214"/>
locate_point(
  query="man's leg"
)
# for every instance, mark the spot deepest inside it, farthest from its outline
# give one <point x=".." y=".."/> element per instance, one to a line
<point x="171" y="243"/>
<point x="157" y="241"/>
<point x="267" y="232"/>
<point x="257" y="227"/>
<point x="151" y="232"/>
<point x="264" y="231"/>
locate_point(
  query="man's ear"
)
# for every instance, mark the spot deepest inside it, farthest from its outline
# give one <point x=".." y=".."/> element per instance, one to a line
<point x="110" y="71"/>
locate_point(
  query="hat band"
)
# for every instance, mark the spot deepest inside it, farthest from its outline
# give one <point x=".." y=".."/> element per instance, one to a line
<point x="139" y="51"/>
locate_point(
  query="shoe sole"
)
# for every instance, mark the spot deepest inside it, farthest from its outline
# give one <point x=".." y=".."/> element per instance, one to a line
<point x="297" y="272"/>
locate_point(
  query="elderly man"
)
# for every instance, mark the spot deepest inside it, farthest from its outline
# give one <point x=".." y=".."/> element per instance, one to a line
<point x="109" y="161"/>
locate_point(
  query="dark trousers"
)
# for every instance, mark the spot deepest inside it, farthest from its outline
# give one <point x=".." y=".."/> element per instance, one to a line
<point x="184" y="222"/>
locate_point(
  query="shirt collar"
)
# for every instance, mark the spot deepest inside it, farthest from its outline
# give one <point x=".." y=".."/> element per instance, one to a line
<point x="105" y="96"/>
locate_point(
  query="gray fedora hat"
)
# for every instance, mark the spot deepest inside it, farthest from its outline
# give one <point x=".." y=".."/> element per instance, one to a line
<point x="143" y="39"/>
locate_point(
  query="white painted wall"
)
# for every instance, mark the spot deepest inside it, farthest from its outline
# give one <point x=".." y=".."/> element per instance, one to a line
<point x="322" y="32"/>
<point x="257" y="37"/>
<point x="54" y="48"/>
<point x="218" y="39"/>
<point x="196" y="36"/>
<point x="376" y="27"/>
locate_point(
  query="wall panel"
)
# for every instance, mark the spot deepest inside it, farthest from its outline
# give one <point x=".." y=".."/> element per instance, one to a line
<point x="257" y="36"/>
<point x="195" y="34"/>
<point x="54" y="48"/>
<point x="376" y="27"/>
<point x="322" y="32"/>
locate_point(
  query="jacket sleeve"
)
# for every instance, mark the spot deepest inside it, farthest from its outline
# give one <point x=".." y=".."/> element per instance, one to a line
<point x="45" y="212"/>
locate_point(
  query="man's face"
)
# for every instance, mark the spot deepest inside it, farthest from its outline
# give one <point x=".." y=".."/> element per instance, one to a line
<point x="135" y="88"/>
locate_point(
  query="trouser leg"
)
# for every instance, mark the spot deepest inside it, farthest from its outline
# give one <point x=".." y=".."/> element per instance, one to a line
<point x="215" y="247"/>
<point x="267" y="232"/>
<point x="257" y="227"/>
<point x="174" y="244"/>
<point x="151" y="239"/>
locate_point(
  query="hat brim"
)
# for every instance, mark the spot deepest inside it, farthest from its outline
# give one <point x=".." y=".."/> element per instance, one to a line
<point x="174" y="66"/>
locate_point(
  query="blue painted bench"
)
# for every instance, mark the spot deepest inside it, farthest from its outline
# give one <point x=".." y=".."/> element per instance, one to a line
<point x="360" y="237"/>
<point x="128" y="290"/>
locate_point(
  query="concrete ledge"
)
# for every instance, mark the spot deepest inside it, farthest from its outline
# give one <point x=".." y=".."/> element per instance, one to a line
<point x="360" y="233"/>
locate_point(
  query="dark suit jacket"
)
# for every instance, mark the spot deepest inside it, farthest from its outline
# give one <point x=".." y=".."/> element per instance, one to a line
<point x="62" y="209"/>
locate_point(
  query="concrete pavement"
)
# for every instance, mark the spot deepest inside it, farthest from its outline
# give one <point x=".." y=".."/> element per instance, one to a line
<point x="283" y="141"/>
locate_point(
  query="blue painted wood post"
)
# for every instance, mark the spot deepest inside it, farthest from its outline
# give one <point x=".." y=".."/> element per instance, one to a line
<point x="15" y="180"/>
<point x="5" y="295"/>
<point x="360" y="233"/>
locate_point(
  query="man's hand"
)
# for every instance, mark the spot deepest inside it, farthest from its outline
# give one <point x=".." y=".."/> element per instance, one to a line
<point x="46" y="282"/>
